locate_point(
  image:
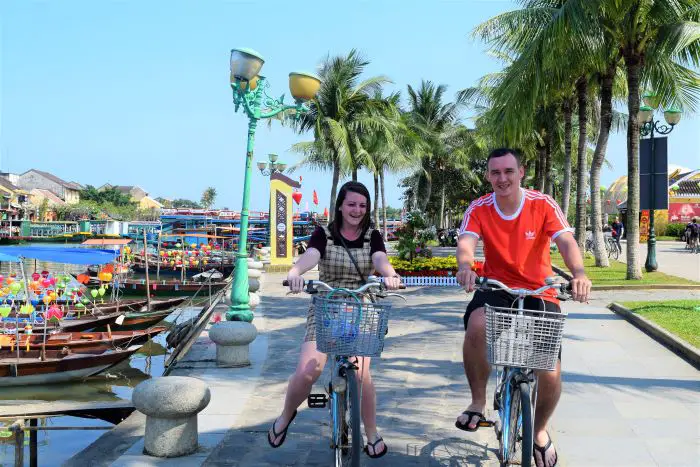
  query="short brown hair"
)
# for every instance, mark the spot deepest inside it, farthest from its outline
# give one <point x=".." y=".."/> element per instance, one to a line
<point x="500" y="152"/>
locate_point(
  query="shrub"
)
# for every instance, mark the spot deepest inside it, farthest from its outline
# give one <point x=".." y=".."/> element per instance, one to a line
<point x="413" y="238"/>
<point x="675" y="230"/>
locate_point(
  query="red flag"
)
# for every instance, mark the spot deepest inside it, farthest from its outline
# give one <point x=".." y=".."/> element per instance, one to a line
<point x="315" y="198"/>
<point x="325" y="212"/>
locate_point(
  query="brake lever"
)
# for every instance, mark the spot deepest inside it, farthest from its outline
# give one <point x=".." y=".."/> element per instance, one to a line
<point x="396" y="295"/>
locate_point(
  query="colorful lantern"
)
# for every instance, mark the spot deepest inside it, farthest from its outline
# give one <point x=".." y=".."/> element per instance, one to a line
<point x="36" y="276"/>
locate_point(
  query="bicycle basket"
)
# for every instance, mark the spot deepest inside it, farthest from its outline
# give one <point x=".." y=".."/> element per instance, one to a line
<point x="528" y="340"/>
<point x="349" y="327"/>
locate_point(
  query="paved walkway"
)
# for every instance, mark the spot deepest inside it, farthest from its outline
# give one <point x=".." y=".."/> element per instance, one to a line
<point x="627" y="400"/>
<point x="671" y="258"/>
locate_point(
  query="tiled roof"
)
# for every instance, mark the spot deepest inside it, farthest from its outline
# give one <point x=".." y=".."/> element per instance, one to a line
<point x="55" y="179"/>
<point x="7" y="184"/>
<point x="688" y="188"/>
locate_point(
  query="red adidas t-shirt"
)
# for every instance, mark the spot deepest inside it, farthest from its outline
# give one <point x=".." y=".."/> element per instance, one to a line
<point x="516" y="247"/>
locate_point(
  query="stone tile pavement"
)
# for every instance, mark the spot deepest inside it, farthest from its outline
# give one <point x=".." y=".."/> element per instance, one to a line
<point x="627" y="400"/>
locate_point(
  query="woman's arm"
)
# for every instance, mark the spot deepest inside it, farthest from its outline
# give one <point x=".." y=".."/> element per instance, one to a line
<point x="381" y="264"/>
<point x="307" y="261"/>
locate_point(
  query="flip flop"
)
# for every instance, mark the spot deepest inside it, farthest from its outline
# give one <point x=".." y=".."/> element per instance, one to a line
<point x="543" y="453"/>
<point x="282" y="433"/>
<point x="376" y="454"/>
<point x="471" y="414"/>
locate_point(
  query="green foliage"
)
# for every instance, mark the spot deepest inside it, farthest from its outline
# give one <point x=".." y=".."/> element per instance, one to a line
<point x="43" y="209"/>
<point x="208" y="197"/>
<point x="167" y="203"/>
<point x="185" y="203"/>
<point x="413" y="237"/>
<point x="90" y="210"/>
<point x="677" y="316"/>
<point x="391" y="213"/>
<point x="675" y="230"/>
<point x="401" y="266"/>
<point x="108" y="195"/>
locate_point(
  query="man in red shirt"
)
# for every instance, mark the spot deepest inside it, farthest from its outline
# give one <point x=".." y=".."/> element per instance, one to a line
<point x="515" y="226"/>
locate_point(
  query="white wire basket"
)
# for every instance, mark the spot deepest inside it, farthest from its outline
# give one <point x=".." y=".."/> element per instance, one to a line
<point x="348" y="327"/>
<point x="524" y="339"/>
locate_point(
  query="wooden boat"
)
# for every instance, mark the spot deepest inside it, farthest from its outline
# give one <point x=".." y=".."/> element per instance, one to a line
<point x="136" y="315"/>
<point x="170" y="288"/>
<point x="79" y="342"/>
<point x="140" y="268"/>
<point x="58" y="366"/>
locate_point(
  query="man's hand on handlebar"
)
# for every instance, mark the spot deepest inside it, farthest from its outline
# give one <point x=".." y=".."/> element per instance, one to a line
<point x="467" y="278"/>
<point x="296" y="283"/>
<point x="580" y="288"/>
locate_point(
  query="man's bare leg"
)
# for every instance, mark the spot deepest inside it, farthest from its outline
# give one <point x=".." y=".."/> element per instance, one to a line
<point x="476" y="365"/>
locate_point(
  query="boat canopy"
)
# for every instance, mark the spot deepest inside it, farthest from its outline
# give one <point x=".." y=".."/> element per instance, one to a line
<point x="8" y="258"/>
<point x="60" y="255"/>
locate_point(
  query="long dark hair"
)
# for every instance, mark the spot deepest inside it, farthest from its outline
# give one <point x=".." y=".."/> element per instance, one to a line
<point x="354" y="187"/>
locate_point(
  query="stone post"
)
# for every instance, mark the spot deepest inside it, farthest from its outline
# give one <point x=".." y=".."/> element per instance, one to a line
<point x="171" y="405"/>
<point x="232" y="339"/>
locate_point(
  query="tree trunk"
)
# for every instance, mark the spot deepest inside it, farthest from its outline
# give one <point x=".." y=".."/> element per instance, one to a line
<point x="542" y="164"/>
<point x="442" y="206"/>
<point x="423" y="204"/>
<point x="538" y="168"/>
<point x="375" y="211"/>
<point x="568" y="130"/>
<point x="582" y="97"/>
<point x="381" y="187"/>
<point x="601" y="256"/>
<point x="354" y="174"/>
<point x="548" y="180"/>
<point x="334" y="189"/>
<point x="634" y="268"/>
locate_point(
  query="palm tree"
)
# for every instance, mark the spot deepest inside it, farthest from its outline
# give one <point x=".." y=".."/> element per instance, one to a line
<point x="208" y="197"/>
<point x="337" y="117"/>
<point x="433" y="121"/>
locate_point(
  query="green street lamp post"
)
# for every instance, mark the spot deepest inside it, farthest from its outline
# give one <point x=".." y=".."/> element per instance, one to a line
<point x="249" y="93"/>
<point x="649" y="127"/>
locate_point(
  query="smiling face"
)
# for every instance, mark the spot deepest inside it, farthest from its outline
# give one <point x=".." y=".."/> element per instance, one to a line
<point x="505" y="175"/>
<point x="353" y="210"/>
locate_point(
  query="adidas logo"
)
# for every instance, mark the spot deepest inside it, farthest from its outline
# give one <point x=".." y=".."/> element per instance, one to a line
<point x="529" y="235"/>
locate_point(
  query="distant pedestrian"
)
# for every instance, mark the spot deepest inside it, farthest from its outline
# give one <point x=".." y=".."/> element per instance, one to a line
<point x="617" y="231"/>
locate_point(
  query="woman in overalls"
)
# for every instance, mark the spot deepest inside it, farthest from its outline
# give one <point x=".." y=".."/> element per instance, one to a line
<point x="351" y="226"/>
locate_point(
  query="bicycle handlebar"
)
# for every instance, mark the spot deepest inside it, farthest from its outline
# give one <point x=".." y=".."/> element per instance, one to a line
<point x="484" y="283"/>
<point x="374" y="282"/>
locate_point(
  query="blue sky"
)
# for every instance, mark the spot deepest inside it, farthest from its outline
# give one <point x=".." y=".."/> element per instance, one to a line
<point x="136" y="93"/>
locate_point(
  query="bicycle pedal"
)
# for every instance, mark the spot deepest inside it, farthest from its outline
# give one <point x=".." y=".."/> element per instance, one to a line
<point x="486" y="423"/>
<point x="317" y="401"/>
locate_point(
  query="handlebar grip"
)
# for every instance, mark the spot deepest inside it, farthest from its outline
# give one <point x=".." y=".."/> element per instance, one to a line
<point x="285" y="283"/>
<point x="402" y="287"/>
<point x="481" y="280"/>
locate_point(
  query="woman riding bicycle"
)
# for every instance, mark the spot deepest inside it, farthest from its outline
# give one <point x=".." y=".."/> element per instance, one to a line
<point x="346" y="252"/>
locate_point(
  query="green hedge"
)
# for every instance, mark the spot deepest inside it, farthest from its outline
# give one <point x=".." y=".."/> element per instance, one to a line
<point x="675" y="230"/>
<point x="448" y="263"/>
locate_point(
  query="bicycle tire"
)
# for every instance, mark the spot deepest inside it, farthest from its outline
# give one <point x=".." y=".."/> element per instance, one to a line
<point x="348" y="438"/>
<point x="518" y="428"/>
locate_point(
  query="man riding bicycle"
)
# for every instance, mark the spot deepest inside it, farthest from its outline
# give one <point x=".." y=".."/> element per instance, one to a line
<point x="617" y="231"/>
<point x="515" y="226"/>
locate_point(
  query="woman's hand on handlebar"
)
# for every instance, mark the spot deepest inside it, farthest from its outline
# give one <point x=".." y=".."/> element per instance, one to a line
<point x="295" y="283"/>
<point x="467" y="278"/>
<point x="392" y="282"/>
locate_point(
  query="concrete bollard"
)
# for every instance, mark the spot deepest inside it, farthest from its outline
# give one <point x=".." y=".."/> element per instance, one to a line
<point x="171" y="405"/>
<point x="253" y="285"/>
<point x="232" y="339"/>
<point x="252" y="264"/>
<point x="253" y="300"/>
<point x="254" y="273"/>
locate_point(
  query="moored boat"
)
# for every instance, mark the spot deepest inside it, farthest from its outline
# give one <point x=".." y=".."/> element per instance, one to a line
<point x="58" y="366"/>
<point x="79" y="342"/>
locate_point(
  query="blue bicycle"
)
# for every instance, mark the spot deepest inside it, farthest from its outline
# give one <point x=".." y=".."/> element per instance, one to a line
<point x="519" y="341"/>
<point x="348" y="325"/>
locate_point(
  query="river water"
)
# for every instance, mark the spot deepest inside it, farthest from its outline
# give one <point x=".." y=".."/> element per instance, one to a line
<point x="117" y="383"/>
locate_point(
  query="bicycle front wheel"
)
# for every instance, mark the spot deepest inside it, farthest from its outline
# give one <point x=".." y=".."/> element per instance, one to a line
<point x="518" y="433"/>
<point x="347" y="438"/>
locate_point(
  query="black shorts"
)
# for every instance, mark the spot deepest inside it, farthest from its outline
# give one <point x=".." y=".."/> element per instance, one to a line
<point x="502" y="299"/>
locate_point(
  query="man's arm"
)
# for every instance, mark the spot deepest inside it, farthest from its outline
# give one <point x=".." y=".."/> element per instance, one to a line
<point x="580" y="284"/>
<point x="466" y="247"/>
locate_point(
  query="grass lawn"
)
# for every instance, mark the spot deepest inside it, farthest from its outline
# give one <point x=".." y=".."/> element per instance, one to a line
<point x="615" y="274"/>
<point x="680" y="317"/>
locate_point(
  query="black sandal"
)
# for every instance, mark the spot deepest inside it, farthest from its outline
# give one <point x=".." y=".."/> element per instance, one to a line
<point x="282" y="433"/>
<point x="543" y="453"/>
<point x="376" y="454"/>
<point x="471" y="414"/>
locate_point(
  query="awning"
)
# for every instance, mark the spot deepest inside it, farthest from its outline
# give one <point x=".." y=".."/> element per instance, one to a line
<point x="61" y="255"/>
<point x="8" y="258"/>
<point x="193" y="235"/>
<point x="107" y="241"/>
